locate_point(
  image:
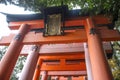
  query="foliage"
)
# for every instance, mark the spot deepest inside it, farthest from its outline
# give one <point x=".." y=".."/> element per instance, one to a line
<point x="117" y="23"/>
<point x="115" y="61"/>
<point x="18" y="68"/>
<point x="109" y="7"/>
<point x="19" y="64"/>
<point x="2" y="51"/>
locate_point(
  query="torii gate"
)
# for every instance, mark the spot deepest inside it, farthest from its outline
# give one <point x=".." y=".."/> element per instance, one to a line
<point x="72" y="60"/>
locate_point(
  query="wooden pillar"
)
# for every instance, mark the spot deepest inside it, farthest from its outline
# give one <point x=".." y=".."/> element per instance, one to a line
<point x="37" y="70"/>
<point x="29" y="67"/>
<point x="9" y="59"/>
<point x="44" y="75"/>
<point x="100" y="67"/>
<point x="88" y="62"/>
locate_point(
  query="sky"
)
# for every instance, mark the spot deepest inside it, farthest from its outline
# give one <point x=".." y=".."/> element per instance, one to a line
<point x="11" y="9"/>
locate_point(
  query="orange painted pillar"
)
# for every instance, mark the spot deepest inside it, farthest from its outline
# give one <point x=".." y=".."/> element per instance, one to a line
<point x="9" y="59"/>
<point x="44" y="75"/>
<point x="100" y="67"/>
<point x="37" y="70"/>
<point x="29" y="67"/>
<point x="88" y="62"/>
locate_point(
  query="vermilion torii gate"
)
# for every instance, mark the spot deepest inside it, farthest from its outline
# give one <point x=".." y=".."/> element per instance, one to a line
<point x="73" y="61"/>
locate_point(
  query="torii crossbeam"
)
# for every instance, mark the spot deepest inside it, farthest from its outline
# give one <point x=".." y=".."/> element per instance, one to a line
<point x="90" y="30"/>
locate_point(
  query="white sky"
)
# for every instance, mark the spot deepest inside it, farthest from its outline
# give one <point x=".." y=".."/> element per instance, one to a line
<point x="4" y="30"/>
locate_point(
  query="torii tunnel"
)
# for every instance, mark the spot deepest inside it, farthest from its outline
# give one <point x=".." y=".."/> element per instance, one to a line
<point x="80" y="54"/>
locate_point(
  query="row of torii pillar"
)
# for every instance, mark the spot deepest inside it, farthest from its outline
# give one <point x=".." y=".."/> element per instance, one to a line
<point x="96" y="63"/>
